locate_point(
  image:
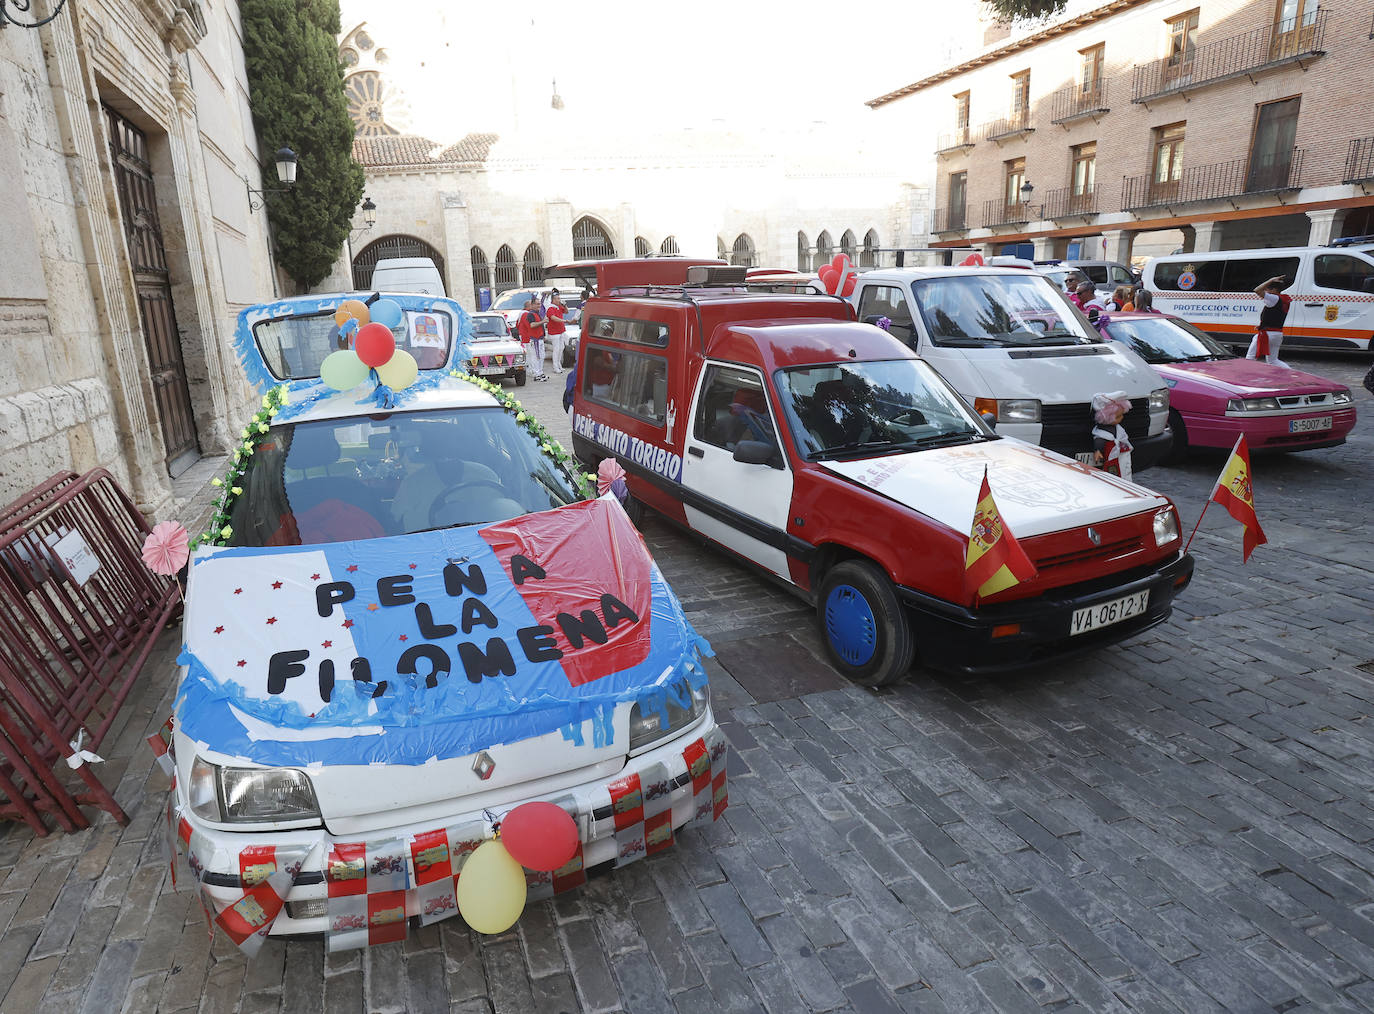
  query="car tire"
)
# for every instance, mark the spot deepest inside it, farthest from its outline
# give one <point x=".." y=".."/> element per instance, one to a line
<point x="864" y="627"/>
<point x="519" y="378"/>
<point x="1178" y="452"/>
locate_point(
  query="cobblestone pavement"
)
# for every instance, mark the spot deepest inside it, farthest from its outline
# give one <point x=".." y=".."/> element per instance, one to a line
<point x="1179" y="823"/>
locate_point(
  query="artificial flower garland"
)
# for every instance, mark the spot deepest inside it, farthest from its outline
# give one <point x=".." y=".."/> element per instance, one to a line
<point x="272" y="402"/>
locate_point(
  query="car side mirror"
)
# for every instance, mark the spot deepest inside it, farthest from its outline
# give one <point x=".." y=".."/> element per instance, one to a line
<point x="758" y="452"/>
<point x="989" y="418"/>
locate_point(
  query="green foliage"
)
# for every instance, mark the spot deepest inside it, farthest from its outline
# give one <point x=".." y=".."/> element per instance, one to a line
<point x="298" y="102"/>
<point x="1025" y="10"/>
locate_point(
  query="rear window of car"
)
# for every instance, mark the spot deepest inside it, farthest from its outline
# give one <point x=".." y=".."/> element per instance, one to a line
<point x="397" y="473"/>
<point x="293" y="347"/>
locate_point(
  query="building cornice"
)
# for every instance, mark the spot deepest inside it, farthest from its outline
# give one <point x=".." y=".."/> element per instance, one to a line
<point x="1001" y="52"/>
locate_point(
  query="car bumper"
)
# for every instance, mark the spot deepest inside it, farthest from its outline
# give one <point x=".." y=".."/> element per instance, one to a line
<point x="954" y="637"/>
<point x="1269" y="432"/>
<point x="619" y="820"/>
<point x="1145" y="452"/>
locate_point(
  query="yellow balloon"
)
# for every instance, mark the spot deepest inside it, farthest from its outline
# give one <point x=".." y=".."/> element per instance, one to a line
<point x="491" y="889"/>
<point x="354" y="309"/>
<point x="400" y="371"/>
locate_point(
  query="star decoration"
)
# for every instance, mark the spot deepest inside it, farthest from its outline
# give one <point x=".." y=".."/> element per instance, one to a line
<point x="347" y="624"/>
<point x="276" y="584"/>
<point x="238" y="591"/>
<point x="219" y="630"/>
<point x="352" y="567"/>
<point x="271" y="620"/>
<point x="404" y="637"/>
<point x="372" y="607"/>
<point x="314" y="577"/>
<point x="412" y="566"/>
<point x="326" y="644"/>
<point x="242" y="663"/>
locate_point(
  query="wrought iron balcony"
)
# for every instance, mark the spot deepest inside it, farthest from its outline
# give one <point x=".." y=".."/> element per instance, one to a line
<point x="1064" y="203"/>
<point x="1073" y="103"/>
<point x="1219" y="181"/>
<point x="954" y="140"/>
<point x="1273" y="46"/>
<point x="1003" y="212"/>
<point x="1007" y="127"/>
<point x="950" y="220"/>
<point x="1359" y="162"/>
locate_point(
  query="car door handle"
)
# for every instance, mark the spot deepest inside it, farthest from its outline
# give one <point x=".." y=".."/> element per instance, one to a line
<point x="696" y="452"/>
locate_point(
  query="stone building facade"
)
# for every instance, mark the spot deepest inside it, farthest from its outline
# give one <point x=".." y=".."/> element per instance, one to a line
<point x="128" y="152"/>
<point x="1148" y="125"/>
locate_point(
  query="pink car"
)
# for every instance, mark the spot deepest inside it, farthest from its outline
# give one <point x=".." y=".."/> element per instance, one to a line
<point x="1215" y="396"/>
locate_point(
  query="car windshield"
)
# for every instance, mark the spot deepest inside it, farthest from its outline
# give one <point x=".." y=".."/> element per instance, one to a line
<point x="293" y="347"/>
<point x="394" y="473"/>
<point x="514" y="299"/>
<point x="864" y="408"/>
<point x="1014" y="309"/>
<point x="489" y="327"/>
<point x="1165" y="340"/>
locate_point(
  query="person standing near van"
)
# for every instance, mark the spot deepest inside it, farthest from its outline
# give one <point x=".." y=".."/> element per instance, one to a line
<point x="1269" y="337"/>
<point x="558" y="330"/>
<point x="531" y="330"/>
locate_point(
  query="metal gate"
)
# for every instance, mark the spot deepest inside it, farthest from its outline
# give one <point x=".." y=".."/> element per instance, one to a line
<point x="590" y="242"/>
<point x="138" y="207"/>
<point x="386" y="248"/>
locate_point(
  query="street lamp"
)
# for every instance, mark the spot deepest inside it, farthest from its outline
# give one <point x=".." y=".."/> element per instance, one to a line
<point x="286" y="174"/>
<point x="369" y="210"/>
<point x="22" y="6"/>
<point x="1027" y="189"/>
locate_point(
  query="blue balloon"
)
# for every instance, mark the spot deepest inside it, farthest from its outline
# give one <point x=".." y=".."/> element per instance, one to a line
<point x="386" y="312"/>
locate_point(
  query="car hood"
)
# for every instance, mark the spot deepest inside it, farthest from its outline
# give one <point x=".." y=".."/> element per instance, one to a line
<point x="1246" y="377"/>
<point x="1057" y="374"/>
<point x="527" y="640"/>
<point x="1037" y="491"/>
<point x="493" y="347"/>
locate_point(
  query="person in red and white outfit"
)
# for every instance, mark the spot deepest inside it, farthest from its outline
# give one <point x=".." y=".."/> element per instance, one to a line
<point x="531" y="330"/>
<point x="1269" y="336"/>
<point x="558" y="330"/>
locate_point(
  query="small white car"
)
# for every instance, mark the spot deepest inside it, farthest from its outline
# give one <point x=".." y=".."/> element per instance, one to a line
<point x="494" y="352"/>
<point x="414" y="620"/>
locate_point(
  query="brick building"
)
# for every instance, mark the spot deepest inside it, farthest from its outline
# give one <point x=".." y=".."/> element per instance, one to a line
<point x="1139" y="127"/>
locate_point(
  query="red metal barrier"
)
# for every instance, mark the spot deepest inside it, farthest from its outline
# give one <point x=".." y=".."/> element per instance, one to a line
<point x="79" y="613"/>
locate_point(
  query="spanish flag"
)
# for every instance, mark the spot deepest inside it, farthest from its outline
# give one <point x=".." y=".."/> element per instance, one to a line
<point x="995" y="559"/>
<point x="1233" y="491"/>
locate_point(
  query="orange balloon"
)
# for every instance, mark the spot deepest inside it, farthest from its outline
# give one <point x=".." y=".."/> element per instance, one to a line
<point x="352" y="309"/>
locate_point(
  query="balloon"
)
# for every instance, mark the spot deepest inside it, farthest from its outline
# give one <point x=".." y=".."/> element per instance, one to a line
<point x="343" y="370"/>
<point x="351" y="309"/>
<point x="974" y="260"/>
<point x="850" y="280"/>
<point x="540" y="836"/>
<point x="400" y="371"/>
<point x="840" y="263"/>
<point x="491" y="889"/>
<point x="830" y="278"/>
<point x="386" y="311"/>
<point x="374" y="344"/>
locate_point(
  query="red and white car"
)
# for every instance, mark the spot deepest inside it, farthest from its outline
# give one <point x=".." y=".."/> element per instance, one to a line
<point x="1214" y="396"/>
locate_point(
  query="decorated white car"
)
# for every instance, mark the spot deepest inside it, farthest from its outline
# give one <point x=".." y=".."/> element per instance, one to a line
<point x="408" y="625"/>
<point x="494" y="352"/>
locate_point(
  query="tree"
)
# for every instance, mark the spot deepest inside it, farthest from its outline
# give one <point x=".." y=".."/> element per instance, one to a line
<point x="297" y="101"/>
<point x="1025" y="10"/>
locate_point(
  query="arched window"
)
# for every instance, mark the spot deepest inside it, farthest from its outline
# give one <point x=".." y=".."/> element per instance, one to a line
<point x="390" y="246"/>
<point x="643" y="248"/>
<point x="743" y="251"/>
<point x="507" y="271"/>
<point x="590" y="241"/>
<point x="669" y="246"/>
<point x="803" y="252"/>
<point x="868" y="256"/>
<point x="481" y="270"/>
<point x="534" y="264"/>
<point x="721" y="252"/>
<point x="825" y="251"/>
<point x="848" y="246"/>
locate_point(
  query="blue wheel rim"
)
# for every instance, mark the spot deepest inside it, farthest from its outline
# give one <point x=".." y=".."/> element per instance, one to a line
<point x="850" y="626"/>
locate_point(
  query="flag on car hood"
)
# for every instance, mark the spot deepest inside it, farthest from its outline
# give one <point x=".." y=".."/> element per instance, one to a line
<point x="429" y="646"/>
<point x="1234" y="492"/>
<point x="995" y="560"/>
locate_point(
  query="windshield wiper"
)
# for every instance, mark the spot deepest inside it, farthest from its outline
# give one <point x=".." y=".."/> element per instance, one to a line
<point x="859" y="446"/>
<point x="938" y="439"/>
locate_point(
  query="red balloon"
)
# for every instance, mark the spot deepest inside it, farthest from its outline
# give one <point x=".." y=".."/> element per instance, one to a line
<point x="374" y="344"/>
<point x="849" y="282"/>
<point x="830" y="278"/>
<point x="840" y="262"/>
<point x="540" y="836"/>
<point x="974" y="260"/>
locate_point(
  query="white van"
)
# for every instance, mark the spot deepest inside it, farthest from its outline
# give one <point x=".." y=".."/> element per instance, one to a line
<point x="1332" y="288"/>
<point x="407" y="274"/>
<point x="1020" y="353"/>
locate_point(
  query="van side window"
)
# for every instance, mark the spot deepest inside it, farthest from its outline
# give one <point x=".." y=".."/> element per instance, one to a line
<point x="1096" y="273"/>
<point x="1120" y="276"/>
<point x="732" y="407"/>
<point x="635" y="332"/>
<point x="1186" y="276"/>
<point x="1341" y="271"/>
<point x="888" y="301"/>
<point x="629" y="382"/>
<point x="1245" y="274"/>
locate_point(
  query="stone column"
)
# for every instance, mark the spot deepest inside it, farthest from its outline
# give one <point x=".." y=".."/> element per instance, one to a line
<point x="1206" y="236"/>
<point x="625" y="242"/>
<point x="76" y="102"/>
<point x="458" y="250"/>
<point x="558" y="220"/>
<point x="1326" y="225"/>
<point x="1044" y="248"/>
<point x="1117" y="244"/>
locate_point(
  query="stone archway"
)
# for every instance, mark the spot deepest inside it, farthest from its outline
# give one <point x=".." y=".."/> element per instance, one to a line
<point x="386" y="247"/>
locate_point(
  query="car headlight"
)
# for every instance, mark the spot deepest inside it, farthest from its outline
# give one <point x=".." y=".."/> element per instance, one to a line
<point x="518" y="359"/>
<point x="250" y="795"/>
<point x="1021" y="410"/>
<point x="1252" y="405"/>
<point x="1166" y="527"/>
<point x="667" y="712"/>
<point x="1342" y="397"/>
<point x="1159" y="401"/>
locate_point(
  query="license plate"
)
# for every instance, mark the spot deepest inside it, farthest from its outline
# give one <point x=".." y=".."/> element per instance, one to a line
<point x="1104" y="614"/>
<point x="1309" y="425"/>
<point x="1086" y="457"/>
<point x="485" y="371"/>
